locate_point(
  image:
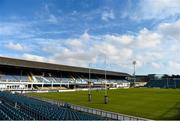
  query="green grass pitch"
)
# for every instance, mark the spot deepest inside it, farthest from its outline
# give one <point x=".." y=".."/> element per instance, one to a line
<point x="147" y="103"/>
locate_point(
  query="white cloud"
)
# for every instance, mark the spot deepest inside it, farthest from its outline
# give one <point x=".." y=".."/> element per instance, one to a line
<point x="124" y="39"/>
<point x="108" y="15"/>
<point x="52" y="19"/>
<point x="173" y="67"/>
<point x="148" y="58"/>
<point x="139" y="63"/>
<point x="78" y="52"/>
<point x="47" y="15"/>
<point x="9" y="29"/>
<point x="85" y="36"/>
<point x="158" y="9"/>
<point x="148" y="39"/>
<point x="156" y="65"/>
<point x="142" y="47"/>
<point x="73" y="43"/>
<point x="174" y="64"/>
<point x="148" y="47"/>
<point x="106" y="48"/>
<point x="33" y="57"/>
<point x="15" y="46"/>
<point x="16" y="30"/>
<point x="153" y="55"/>
<point x="170" y="29"/>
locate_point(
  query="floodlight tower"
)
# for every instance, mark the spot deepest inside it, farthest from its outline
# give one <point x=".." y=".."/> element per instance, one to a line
<point x="89" y="84"/>
<point x="43" y="80"/>
<point x="51" y="80"/>
<point x="134" y="65"/>
<point x="105" y="84"/>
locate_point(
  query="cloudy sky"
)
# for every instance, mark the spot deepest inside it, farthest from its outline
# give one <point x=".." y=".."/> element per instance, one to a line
<point x="80" y="32"/>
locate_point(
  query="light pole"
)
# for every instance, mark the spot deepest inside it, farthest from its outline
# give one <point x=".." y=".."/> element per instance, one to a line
<point x="21" y="75"/>
<point x="51" y="80"/>
<point x="43" y="80"/>
<point x="134" y="63"/>
<point x="60" y="79"/>
<point x="89" y="84"/>
<point x="105" y="85"/>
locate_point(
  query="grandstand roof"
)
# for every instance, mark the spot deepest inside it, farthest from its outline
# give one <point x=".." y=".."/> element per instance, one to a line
<point x="5" y="61"/>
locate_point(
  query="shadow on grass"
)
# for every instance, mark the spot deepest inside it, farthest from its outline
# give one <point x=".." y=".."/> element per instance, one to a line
<point x="172" y="114"/>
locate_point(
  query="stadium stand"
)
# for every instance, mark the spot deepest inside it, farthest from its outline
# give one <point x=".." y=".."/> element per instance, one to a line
<point x="16" y="74"/>
<point x="164" y="83"/>
<point x="18" y="107"/>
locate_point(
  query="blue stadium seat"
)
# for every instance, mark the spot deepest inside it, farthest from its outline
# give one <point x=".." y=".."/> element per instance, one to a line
<point x="18" y="107"/>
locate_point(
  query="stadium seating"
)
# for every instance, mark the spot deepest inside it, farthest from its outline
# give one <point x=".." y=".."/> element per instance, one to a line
<point x="18" y="107"/>
<point x="13" y="78"/>
<point x="50" y="80"/>
<point x="164" y="83"/>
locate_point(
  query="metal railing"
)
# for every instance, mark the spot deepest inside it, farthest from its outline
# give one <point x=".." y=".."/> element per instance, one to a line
<point x="98" y="112"/>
